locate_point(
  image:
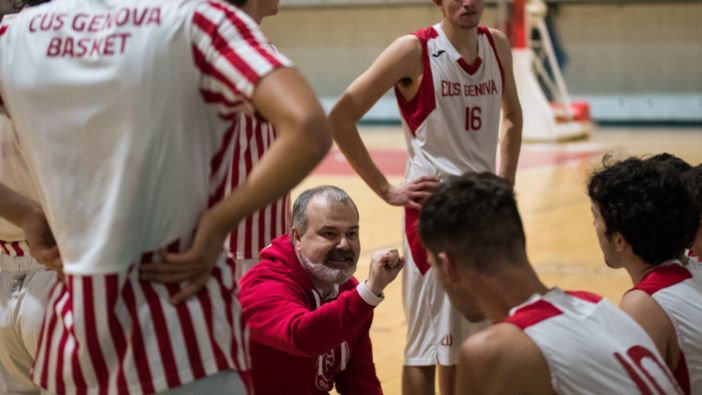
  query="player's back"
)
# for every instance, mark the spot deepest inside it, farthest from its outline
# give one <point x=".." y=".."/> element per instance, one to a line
<point x="591" y="346"/>
<point x="107" y="97"/>
<point x="678" y="290"/>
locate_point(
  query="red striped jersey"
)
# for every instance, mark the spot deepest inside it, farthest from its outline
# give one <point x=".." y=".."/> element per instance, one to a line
<point x="452" y="123"/>
<point x="125" y="110"/>
<point x="678" y="290"/>
<point x="592" y="347"/>
<point x="254" y="138"/>
<point x="14" y="174"/>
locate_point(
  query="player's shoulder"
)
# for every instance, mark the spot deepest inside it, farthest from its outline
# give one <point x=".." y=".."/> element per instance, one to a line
<point x="645" y="310"/>
<point x="408" y="44"/>
<point x="501" y="41"/>
<point x="495" y="345"/>
<point x="504" y="358"/>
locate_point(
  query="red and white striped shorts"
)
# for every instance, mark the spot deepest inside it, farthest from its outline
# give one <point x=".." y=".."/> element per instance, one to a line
<point x="115" y="334"/>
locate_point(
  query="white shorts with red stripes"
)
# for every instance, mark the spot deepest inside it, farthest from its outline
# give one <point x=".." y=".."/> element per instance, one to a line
<point x="115" y="334"/>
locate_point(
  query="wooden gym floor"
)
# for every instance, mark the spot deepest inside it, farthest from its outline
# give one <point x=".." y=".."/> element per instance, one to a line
<point x="551" y="194"/>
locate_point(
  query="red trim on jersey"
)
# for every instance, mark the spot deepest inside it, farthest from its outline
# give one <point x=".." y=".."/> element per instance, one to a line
<point x="586" y="296"/>
<point x="419" y="254"/>
<point x="663" y="277"/>
<point x="423" y="103"/>
<point x="691" y="253"/>
<point x="486" y="31"/>
<point x="682" y="375"/>
<point x="468" y="68"/>
<point x="2" y="31"/>
<point x="532" y="314"/>
<point x="96" y="357"/>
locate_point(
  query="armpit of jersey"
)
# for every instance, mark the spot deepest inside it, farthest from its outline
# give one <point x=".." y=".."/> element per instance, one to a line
<point x="232" y="53"/>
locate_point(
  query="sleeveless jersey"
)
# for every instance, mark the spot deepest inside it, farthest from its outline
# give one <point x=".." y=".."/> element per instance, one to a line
<point x="591" y="346"/>
<point x="14" y="174"/>
<point x="125" y="110"/>
<point x="452" y="123"/>
<point x="678" y="290"/>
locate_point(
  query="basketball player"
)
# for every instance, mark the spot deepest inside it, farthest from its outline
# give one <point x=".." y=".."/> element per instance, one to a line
<point x="24" y="283"/>
<point x="128" y="137"/>
<point x="255" y="136"/>
<point x="451" y="80"/>
<point x="645" y="217"/>
<point x="543" y="341"/>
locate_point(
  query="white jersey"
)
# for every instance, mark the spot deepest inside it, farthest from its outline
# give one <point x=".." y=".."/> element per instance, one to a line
<point x="254" y="233"/>
<point x="452" y="124"/>
<point x="160" y="154"/>
<point x="591" y="346"/>
<point x="124" y="109"/>
<point x="678" y="290"/>
<point x="14" y="174"/>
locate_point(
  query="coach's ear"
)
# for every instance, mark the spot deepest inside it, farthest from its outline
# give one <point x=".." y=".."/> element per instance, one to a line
<point x="295" y="238"/>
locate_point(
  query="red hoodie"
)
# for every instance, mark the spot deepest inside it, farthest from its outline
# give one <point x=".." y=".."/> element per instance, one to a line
<point x="297" y="346"/>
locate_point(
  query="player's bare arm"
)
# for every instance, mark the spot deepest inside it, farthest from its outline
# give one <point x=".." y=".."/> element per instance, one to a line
<point x="285" y="99"/>
<point x="29" y="215"/>
<point x="502" y="360"/>
<point x="511" y="133"/>
<point x="400" y="64"/>
<point x="650" y="315"/>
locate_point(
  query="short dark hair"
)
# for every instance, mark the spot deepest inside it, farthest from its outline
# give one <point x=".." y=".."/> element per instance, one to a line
<point x="649" y="204"/>
<point x="671" y="160"/>
<point x="474" y="219"/>
<point x="28" y="3"/>
<point x="694" y="179"/>
<point x="331" y="193"/>
<point x="237" y="3"/>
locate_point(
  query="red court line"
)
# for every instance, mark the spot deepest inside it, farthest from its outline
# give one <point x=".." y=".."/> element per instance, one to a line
<point x="392" y="162"/>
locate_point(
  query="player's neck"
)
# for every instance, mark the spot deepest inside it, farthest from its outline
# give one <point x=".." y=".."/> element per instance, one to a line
<point x="638" y="269"/>
<point x="464" y="40"/>
<point x="510" y="289"/>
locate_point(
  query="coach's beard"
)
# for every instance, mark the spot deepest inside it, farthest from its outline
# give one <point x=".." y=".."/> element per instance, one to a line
<point x="337" y="267"/>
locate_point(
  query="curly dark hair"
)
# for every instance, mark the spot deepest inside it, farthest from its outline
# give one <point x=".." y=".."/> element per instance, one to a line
<point x="649" y="204"/>
<point x="474" y="219"/>
<point x="694" y="178"/>
<point x="671" y="160"/>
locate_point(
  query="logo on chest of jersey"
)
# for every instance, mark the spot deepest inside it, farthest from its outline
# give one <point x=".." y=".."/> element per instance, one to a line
<point x="449" y="88"/>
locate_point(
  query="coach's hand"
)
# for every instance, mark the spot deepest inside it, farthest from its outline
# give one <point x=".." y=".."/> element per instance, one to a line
<point x="194" y="265"/>
<point x="410" y="193"/>
<point x="384" y="267"/>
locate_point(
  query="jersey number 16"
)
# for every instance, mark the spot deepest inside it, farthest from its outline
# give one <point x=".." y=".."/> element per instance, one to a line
<point x="473" y="121"/>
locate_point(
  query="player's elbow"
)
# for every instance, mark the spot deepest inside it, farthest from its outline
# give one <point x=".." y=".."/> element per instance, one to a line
<point x="342" y="118"/>
<point x="317" y="133"/>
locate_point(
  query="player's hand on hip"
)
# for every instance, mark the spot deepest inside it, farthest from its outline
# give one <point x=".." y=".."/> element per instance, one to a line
<point x="42" y="246"/>
<point x="193" y="266"/>
<point x="384" y="267"/>
<point x="410" y="193"/>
